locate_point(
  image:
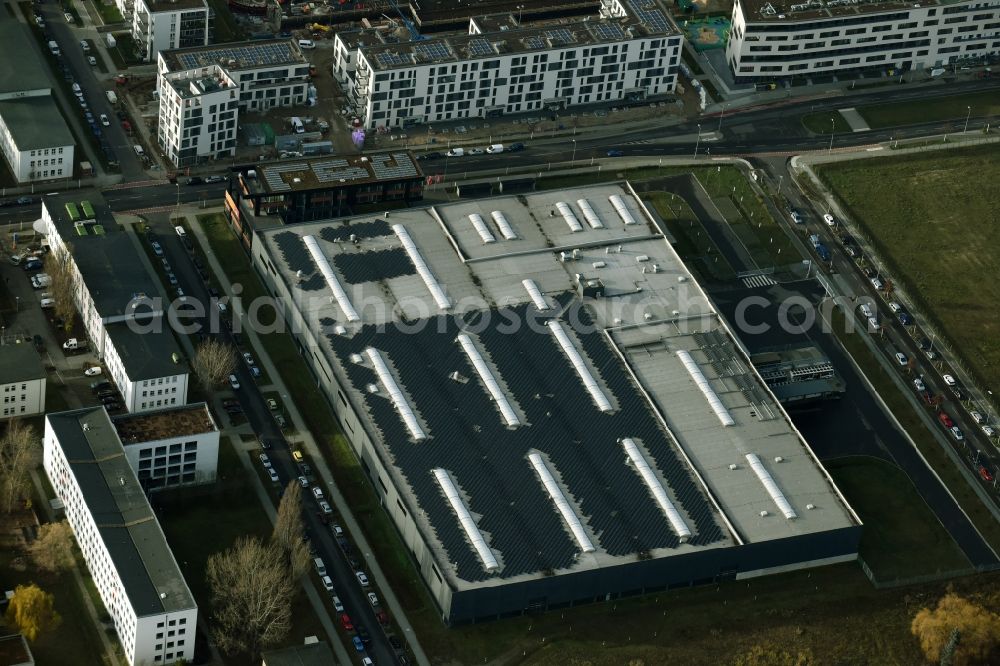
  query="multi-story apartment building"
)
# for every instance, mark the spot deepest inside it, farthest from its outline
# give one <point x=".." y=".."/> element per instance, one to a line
<point x="34" y="138"/>
<point x="171" y="447"/>
<point x="158" y="25"/>
<point x="123" y="546"/>
<point x="203" y="89"/>
<point x="115" y="296"/>
<point x="774" y="39"/>
<point x="22" y="381"/>
<point x="629" y="51"/>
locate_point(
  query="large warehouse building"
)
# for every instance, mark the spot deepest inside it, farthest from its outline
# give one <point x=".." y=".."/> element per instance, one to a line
<point x="548" y="404"/>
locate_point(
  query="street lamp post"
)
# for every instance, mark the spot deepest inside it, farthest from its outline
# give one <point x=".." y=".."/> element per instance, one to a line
<point x="697" y="142"/>
<point x="519" y="9"/>
<point x="574" y="151"/>
<point x="967" y="116"/>
<point x="833" y="124"/>
<point x="720" y="117"/>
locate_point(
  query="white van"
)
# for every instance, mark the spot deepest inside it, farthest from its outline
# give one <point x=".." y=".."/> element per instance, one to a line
<point x="297" y="125"/>
<point x="456" y="152"/>
<point x="138" y="150"/>
<point x="307" y="44"/>
<point x="495" y="148"/>
<point x="320" y="566"/>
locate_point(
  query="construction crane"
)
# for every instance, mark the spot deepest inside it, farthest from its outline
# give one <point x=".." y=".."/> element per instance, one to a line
<point x="415" y="35"/>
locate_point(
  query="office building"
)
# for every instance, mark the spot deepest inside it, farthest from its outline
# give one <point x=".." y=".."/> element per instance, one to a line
<point x="117" y="300"/>
<point x="122" y="544"/>
<point x="171" y="447"/>
<point x="203" y="89"/>
<point x="22" y="381"/>
<point x="159" y="25"/>
<point x="776" y="39"/>
<point x="34" y="138"/>
<point x="548" y="405"/>
<point x="630" y="51"/>
<point x="293" y="191"/>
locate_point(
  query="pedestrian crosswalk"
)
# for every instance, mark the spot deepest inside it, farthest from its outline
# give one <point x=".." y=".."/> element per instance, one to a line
<point x="758" y="281"/>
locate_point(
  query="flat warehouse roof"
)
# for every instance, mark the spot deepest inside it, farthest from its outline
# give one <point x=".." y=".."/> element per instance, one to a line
<point x="139" y="552"/>
<point x="35" y="122"/>
<point x="548" y="386"/>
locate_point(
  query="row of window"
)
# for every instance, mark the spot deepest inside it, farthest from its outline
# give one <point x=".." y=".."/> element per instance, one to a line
<point x="41" y="152"/>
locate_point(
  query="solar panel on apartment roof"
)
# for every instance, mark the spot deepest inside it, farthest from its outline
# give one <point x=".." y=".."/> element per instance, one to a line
<point x="653" y="18"/>
<point x="249" y="54"/>
<point x="534" y="42"/>
<point x="432" y="50"/>
<point x="560" y="36"/>
<point x="390" y="59"/>
<point x="488" y="461"/>
<point x="609" y="31"/>
<point x="480" y="47"/>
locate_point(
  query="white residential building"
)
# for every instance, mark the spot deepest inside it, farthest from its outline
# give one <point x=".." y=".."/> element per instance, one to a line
<point x="34" y="138"/>
<point x="115" y="297"/>
<point x="123" y="546"/>
<point x="628" y="52"/>
<point x="203" y="89"/>
<point x="777" y="39"/>
<point x="22" y="381"/>
<point x="171" y="447"/>
<point x="158" y="25"/>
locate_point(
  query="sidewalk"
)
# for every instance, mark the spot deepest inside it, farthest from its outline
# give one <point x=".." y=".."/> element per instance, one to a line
<point x="319" y="462"/>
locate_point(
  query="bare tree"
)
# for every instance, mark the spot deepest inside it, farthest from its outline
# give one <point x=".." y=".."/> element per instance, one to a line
<point x="251" y="596"/>
<point x="52" y="550"/>
<point x="59" y="267"/>
<point x="19" y="454"/>
<point x="289" y="530"/>
<point x="213" y="362"/>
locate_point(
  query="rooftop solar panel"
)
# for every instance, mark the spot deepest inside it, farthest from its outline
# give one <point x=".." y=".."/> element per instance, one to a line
<point x="343" y="232"/>
<point x="609" y="31"/>
<point x="432" y="50"/>
<point x="245" y="56"/>
<point x="490" y="460"/>
<point x="373" y="266"/>
<point x="480" y="47"/>
<point x="391" y="59"/>
<point x="298" y="259"/>
<point x="560" y="36"/>
<point x="534" y="42"/>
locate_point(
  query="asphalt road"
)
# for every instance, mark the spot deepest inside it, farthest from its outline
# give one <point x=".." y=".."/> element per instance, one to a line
<point x="76" y="61"/>
<point x="856" y="424"/>
<point x="260" y="418"/>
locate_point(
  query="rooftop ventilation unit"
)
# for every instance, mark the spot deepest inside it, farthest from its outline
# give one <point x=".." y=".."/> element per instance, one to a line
<point x="395" y="394"/>
<point x="503" y="225"/>
<point x="699" y="378"/>
<point x="486" y="375"/>
<point x="570" y="217"/>
<point x="536" y="294"/>
<point x="562" y="504"/>
<point x="581" y="368"/>
<point x="465" y="519"/>
<point x="772" y="488"/>
<point x="481" y="228"/>
<point x="331" y="278"/>
<point x="433" y="286"/>
<point x="589" y="214"/>
<point x="656" y="489"/>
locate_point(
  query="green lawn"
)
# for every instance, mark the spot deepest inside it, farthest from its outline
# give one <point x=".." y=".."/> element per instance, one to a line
<point x="938" y="460"/>
<point x="952" y="108"/>
<point x="819" y="123"/>
<point x="898" y="523"/>
<point x="934" y="222"/>
<point x="109" y="13"/>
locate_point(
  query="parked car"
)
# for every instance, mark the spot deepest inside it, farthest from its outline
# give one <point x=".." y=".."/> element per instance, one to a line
<point x="273" y="475"/>
<point x="104" y="120"/>
<point x="433" y="155"/>
<point x="358" y="645"/>
<point x="317" y="492"/>
<point x="829" y="219"/>
<point x="901" y="359"/>
<point x="945" y="419"/>
<point x="345" y="622"/>
<point x="325" y="507"/>
<point x="362" y="578"/>
<point x="918" y="384"/>
<point x="304" y="482"/>
<point x="234" y="383"/>
<point x="327" y="583"/>
<point x="956" y="433"/>
<point x="949" y="380"/>
<point x="984" y="474"/>
<point x="373" y="600"/>
<point x="265" y="460"/>
<point x="92" y="371"/>
<point x="100" y="385"/>
<point x="338" y="606"/>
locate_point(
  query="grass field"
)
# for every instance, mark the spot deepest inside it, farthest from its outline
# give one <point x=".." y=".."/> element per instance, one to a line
<point x="898" y="523"/>
<point x="934" y="222"/>
<point x="952" y="108"/>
